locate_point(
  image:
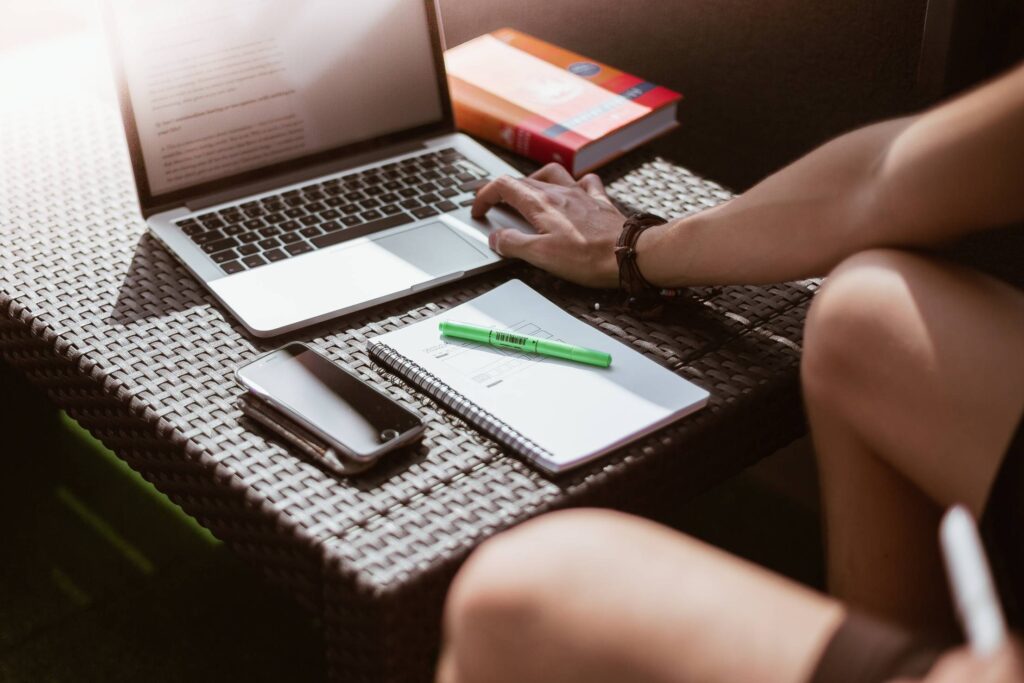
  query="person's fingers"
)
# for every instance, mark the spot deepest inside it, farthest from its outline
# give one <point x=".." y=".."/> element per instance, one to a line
<point x="591" y="182"/>
<point x="555" y="174"/>
<point x="511" y="191"/>
<point x="593" y="186"/>
<point x="512" y="243"/>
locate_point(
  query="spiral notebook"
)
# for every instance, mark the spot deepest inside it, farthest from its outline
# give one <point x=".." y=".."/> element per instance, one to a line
<point x="556" y="414"/>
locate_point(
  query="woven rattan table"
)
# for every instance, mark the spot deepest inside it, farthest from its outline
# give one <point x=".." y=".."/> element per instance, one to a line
<point x="97" y="314"/>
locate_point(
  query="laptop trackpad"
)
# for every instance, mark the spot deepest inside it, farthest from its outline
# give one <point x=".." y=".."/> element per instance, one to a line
<point x="433" y="248"/>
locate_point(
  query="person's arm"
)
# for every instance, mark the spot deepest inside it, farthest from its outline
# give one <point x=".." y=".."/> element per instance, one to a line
<point x="912" y="182"/>
<point x="799" y="222"/>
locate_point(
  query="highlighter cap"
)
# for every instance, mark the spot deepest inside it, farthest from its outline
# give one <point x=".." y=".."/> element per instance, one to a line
<point x="468" y="332"/>
<point x="592" y="357"/>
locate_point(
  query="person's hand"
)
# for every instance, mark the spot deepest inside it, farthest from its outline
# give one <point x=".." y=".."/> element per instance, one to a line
<point x="963" y="666"/>
<point x="577" y="224"/>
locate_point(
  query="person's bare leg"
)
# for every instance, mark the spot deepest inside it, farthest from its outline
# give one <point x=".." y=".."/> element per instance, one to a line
<point x="914" y="381"/>
<point x="595" y="596"/>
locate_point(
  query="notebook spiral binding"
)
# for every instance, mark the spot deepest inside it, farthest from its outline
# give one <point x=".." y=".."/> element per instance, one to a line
<point x="390" y="359"/>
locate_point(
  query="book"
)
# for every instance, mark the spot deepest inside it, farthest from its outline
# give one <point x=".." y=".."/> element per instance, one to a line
<point x="550" y="104"/>
<point x="555" y="414"/>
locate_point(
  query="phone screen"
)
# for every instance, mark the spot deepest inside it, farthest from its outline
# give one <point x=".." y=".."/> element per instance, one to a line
<point x="305" y="385"/>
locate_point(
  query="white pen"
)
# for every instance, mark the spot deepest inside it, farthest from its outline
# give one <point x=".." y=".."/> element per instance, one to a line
<point x="970" y="579"/>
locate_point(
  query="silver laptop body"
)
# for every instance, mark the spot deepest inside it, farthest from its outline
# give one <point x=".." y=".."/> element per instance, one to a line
<point x="299" y="158"/>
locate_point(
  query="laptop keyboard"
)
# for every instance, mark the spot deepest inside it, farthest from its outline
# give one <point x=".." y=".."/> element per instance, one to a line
<point x="296" y="222"/>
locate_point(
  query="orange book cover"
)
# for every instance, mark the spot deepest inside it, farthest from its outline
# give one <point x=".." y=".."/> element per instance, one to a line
<point x="545" y="102"/>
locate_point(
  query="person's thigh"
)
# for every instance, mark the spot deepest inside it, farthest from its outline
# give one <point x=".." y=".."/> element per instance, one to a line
<point x="924" y="360"/>
<point x="598" y="596"/>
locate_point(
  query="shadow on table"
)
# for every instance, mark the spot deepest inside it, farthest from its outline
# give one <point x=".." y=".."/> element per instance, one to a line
<point x="391" y="465"/>
<point x="155" y="286"/>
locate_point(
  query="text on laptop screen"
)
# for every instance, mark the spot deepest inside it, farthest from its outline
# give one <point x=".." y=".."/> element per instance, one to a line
<point x="220" y="87"/>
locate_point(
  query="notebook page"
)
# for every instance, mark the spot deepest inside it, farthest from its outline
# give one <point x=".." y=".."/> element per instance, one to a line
<point x="572" y="410"/>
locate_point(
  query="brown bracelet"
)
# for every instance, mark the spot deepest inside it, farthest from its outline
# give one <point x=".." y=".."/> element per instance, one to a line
<point x="631" y="280"/>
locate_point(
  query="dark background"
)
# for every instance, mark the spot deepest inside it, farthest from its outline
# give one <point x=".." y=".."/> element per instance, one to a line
<point x="764" y="81"/>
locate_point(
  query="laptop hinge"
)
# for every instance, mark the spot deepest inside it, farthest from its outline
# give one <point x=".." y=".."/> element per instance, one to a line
<point x="308" y="173"/>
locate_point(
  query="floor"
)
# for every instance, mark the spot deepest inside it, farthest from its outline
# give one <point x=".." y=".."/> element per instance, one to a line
<point x="103" y="579"/>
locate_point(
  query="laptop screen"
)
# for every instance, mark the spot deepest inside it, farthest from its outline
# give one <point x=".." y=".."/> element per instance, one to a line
<point x="218" y="88"/>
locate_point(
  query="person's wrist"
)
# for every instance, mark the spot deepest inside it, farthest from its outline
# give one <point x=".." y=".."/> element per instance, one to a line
<point x="608" y="266"/>
<point x="646" y="248"/>
<point x="631" y="279"/>
<point x="604" y="264"/>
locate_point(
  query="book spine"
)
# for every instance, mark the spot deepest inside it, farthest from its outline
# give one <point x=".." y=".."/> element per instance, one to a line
<point x="516" y="131"/>
<point x="397" y="364"/>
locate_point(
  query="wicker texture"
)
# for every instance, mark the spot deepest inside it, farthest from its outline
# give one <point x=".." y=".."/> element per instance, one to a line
<point x="99" y="315"/>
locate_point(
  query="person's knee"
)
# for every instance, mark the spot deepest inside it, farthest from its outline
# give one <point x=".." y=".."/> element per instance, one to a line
<point x="500" y="586"/>
<point x="508" y="578"/>
<point x="862" y="305"/>
<point x="503" y="599"/>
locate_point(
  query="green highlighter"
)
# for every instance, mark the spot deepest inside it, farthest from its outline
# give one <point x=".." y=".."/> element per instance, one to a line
<point x="522" y="342"/>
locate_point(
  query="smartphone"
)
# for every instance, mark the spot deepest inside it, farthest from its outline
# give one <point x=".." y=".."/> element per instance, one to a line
<point x="350" y="416"/>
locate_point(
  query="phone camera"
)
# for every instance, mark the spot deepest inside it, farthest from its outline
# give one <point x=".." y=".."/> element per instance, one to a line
<point x="388" y="435"/>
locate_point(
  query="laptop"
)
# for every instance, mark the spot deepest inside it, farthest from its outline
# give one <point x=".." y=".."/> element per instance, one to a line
<point x="300" y="157"/>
